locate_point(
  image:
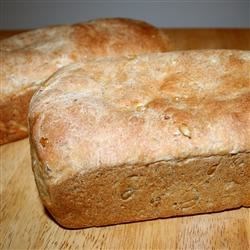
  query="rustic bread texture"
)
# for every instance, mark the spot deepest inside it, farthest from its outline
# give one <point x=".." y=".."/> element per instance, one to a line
<point x="136" y="138"/>
<point x="30" y="58"/>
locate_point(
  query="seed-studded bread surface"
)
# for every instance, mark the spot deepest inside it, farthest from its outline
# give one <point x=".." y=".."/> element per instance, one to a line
<point x="135" y="138"/>
<point x="30" y="58"/>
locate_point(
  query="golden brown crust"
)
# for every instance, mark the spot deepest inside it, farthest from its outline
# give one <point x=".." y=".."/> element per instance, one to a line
<point x="112" y="36"/>
<point x="28" y="59"/>
<point x="184" y="110"/>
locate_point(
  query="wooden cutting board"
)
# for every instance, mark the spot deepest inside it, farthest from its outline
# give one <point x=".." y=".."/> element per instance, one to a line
<point x="26" y="225"/>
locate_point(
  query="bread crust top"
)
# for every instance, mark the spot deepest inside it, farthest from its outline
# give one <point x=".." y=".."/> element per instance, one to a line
<point x="31" y="57"/>
<point x="139" y="110"/>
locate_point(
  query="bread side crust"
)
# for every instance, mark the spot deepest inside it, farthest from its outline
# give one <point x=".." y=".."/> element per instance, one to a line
<point x="161" y="189"/>
<point x="14" y="113"/>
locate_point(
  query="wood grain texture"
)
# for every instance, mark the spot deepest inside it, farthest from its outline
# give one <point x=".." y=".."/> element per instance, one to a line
<point x="183" y="39"/>
<point x="26" y="225"/>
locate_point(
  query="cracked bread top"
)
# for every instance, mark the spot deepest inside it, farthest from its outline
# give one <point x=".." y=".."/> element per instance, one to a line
<point x="139" y="110"/>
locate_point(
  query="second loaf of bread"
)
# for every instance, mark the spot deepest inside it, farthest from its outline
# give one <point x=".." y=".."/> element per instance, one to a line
<point x="29" y="58"/>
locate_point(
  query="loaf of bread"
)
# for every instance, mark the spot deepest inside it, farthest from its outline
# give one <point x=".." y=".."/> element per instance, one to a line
<point x="135" y="138"/>
<point x="30" y="58"/>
